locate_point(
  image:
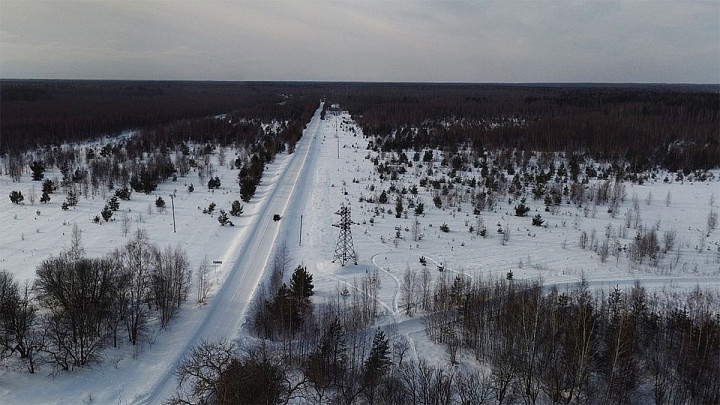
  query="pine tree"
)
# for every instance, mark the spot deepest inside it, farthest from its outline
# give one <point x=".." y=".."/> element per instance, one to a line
<point x="214" y="183"/>
<point x="236" y="209"/>
<point x="383" y="199"/>
<point x="521" y="210"/>
<point x="419" y="209"/>
<point x="123" y="193"/>
<point x="247" y="188"/>
<point x="38" y="170"/>
<point x="376" y="365"/>
<point x="537" y="220"/>
<point x="398" y="207"/>
<point x="44" y="198"/>
<point x="114" y="204"/>
<point x="160" y="203"/>
<point x="301" y="286"/>
<point x="106" y="213"/>
<point x="71" y="198"/>
<point x="16" y="197"/>
<point x="223" y="219"/>
<point x="48" y="186"/>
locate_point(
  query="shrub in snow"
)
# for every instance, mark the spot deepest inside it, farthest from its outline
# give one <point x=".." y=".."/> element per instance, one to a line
<point x="16" y="197"/>
<point x="209" y="209"/>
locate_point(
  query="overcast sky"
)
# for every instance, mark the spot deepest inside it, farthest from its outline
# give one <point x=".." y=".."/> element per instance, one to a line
<point x="437" y="41"/>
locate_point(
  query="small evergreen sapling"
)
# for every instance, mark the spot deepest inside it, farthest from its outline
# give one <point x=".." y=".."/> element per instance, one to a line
<point x="223" y="219"/>
<point x="236" y="209"/>
<point x="398" y="207"/>
<point x="48" y="186"/>
<point x="106" y="213"/>
<point x="521" y="210"/>
<point x="209" y="209"/>
<point x="16" y="197"/>
<point x="38" y="170"/>
<point x="537" y="220"/>
<point x="71" y="198"/>
<point x="214" y="183"/>
<point x="123" y="193"/>
<point x="114" y="204"/>
<point x="383" y="199"/>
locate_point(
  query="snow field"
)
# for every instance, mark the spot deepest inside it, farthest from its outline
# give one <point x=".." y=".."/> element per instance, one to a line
<point x="144" y="374"/>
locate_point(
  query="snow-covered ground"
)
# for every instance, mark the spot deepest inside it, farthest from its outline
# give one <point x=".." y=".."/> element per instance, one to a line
<point x="310" y="186"/>
<point x="550" y="252"/>
<point x="146" y="374"/>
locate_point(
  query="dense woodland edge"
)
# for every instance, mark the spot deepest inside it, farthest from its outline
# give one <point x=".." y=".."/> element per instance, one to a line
<point x="620" y="348"/>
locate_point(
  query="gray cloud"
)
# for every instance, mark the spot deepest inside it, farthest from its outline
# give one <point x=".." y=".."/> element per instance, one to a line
<point x="474" y="41"/>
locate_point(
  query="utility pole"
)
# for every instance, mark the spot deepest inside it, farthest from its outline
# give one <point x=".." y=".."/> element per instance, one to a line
<point x="337" y="137"/>
<point x="301" y="230"/>
<point x="172" y="201"/>
<point x="345" y="250"/>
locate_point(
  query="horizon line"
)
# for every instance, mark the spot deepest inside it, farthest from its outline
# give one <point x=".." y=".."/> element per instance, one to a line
<point x="530" y="83"/>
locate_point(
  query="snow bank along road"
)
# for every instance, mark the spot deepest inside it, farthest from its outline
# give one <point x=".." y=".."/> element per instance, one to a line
<point x="226" y="310"/>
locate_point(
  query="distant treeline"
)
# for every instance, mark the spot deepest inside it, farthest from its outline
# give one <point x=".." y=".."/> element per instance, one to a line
<point x="674" y="126"/>
<point x="40" y="112"/>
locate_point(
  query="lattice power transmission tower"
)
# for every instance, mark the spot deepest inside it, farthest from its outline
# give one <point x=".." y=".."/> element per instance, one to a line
<point x="344" y="251"/>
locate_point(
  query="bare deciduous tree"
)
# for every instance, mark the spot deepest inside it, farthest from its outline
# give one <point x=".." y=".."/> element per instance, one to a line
<point x="408" y="289"/>
<point x="198" y="377"/>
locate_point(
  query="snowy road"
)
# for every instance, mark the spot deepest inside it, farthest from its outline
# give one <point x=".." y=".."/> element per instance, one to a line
<point x="226" y="312"/>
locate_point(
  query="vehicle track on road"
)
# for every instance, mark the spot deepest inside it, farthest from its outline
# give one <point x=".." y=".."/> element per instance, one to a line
<point x="226" y="311"/>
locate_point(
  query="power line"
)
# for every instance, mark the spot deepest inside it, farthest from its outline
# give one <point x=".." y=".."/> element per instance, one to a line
<point x="344" y="251"/>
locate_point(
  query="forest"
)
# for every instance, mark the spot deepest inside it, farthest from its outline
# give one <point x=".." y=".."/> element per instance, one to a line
<point x="561" y="153"/>
<point x="672" y="126"/>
